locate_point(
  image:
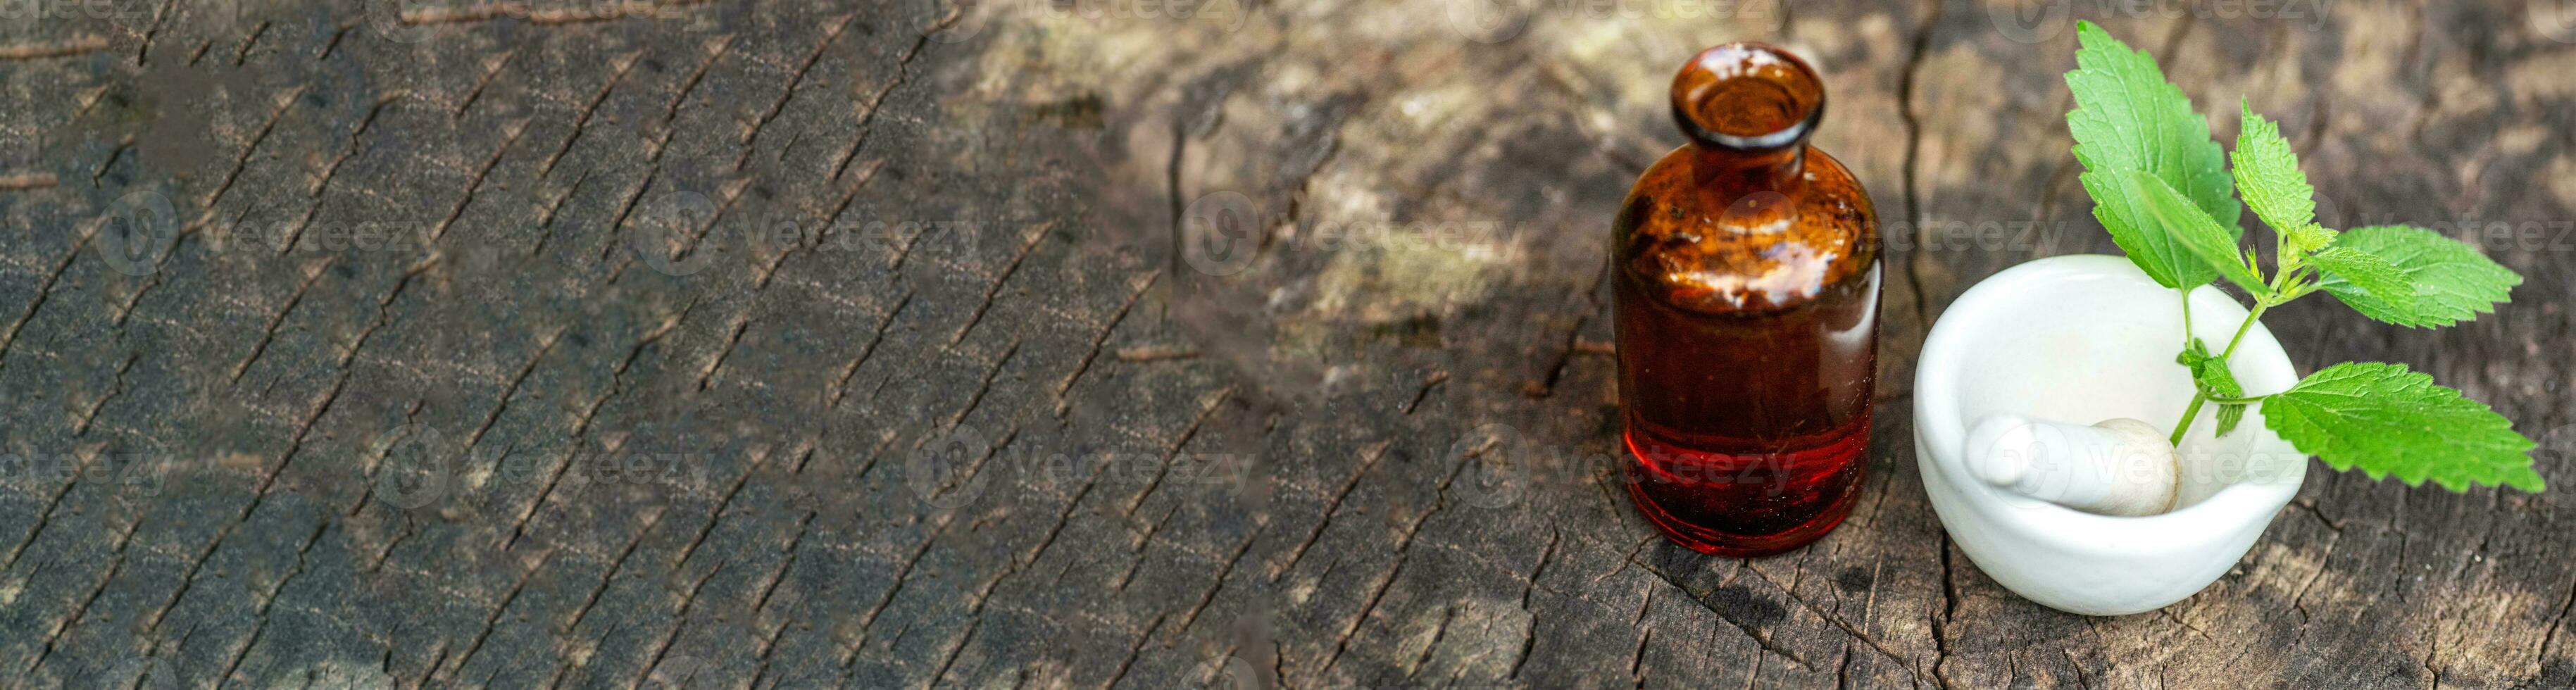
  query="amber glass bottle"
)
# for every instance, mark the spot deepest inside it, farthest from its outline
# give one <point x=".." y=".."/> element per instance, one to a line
<point x="1747" y="283"/>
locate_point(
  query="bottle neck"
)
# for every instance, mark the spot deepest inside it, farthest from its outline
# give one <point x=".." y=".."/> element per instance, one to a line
<point x="1748" y="109"/>
<point x="1736" y="173"/>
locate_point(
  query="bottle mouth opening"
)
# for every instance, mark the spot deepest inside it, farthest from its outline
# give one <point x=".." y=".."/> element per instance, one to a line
<point x="1747" y="97"/>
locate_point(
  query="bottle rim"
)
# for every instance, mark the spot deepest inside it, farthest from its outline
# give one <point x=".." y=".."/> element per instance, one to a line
<point x="1791" y="79"/>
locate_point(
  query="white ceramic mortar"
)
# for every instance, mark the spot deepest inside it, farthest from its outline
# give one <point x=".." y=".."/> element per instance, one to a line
<point x="2082" y="339"/>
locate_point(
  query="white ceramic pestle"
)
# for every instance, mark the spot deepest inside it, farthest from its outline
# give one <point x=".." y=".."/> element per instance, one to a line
<point x="2113" y="467"/>
<point x="2092" y="338"/>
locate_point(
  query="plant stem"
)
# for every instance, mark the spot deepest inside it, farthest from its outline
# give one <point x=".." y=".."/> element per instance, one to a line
<point x="2197" y="398"/>
<point x="2186" y="317"/>
<point x="2242" y="327"/>
<point x="2188" y="414"/>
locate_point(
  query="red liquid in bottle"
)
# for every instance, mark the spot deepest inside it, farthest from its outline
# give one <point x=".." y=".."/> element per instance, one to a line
<point x="1746" y="291"/>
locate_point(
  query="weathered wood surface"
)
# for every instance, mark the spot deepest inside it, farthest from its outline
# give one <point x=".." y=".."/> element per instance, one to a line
<point x="985" y="423"/>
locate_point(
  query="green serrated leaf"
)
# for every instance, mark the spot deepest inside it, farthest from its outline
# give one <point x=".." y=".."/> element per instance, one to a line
<point x="2127" y="117"/>
<point x="2309" y="238"/>
<point x="2389" y="291"/>
<point x="2388" y="421"/>
<point x="2267" y="173"/>
<point x="2452" y="281"/>
<point x="2229" y="416"/>
<point x="2212" y="376"/>
<point x="2195" y="231"/>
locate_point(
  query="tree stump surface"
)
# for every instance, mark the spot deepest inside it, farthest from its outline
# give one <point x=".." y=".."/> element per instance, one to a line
<point x="793" y="345"/>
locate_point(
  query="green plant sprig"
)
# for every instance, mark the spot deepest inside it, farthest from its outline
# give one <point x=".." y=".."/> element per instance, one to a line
<point x="2168" y="197"/>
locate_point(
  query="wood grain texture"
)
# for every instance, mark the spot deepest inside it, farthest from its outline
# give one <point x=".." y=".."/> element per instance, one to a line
<point x="789" y="345"/>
